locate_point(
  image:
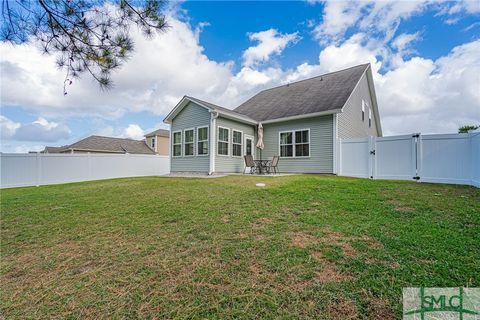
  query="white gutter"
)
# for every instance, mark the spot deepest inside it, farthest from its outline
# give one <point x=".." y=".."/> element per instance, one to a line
<point x="213" y="136"/>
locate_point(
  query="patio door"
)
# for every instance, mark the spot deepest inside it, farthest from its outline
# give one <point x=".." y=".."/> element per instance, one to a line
<point x="249" y="146"/>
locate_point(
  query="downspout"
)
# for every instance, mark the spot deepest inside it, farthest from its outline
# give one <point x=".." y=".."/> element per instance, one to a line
<point x="213" y="136"/>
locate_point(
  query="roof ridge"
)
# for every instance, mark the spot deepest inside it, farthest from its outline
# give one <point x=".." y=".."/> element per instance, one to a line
<point x="321" y="75"/>
<point x="95" y="135"/>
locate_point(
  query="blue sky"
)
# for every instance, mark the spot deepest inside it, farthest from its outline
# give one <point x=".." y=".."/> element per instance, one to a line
<point x="425" y="57"/>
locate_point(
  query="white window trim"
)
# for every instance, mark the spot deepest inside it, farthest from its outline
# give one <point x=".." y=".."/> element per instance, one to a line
<point x="184" y="143"/>
<point x="369" y="117"/>
<point x="363" y="110"/>
<point x="181" y="143"/>
<point x="207" y="141"/>
<point x="228" y="142"/>
<point x="241" y="144"/>
<point x="294" y="142"/>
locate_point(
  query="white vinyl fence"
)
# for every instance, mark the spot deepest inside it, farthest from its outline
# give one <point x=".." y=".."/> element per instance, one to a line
<point x="443" y="158"/>
<point x="18" y="170"/>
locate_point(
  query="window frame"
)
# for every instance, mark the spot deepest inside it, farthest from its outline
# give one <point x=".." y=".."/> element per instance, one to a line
<point x="152" y="143"/>
<point x="181" y="144"/>
<point x="294" y="153"/>
<point x="369" y="117"/>
<point x="207" y="141"/>
<point x="227" y="142"/>
<point x="185" y="143"/>
<point x="363" y="110"/>
<point x="241" y="143"/>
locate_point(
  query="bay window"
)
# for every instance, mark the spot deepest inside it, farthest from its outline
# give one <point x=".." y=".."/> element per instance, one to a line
<point x="237" y="143"/>
<point x="177" y="144"/>
<point x="223" y="140"/>
<point x="202" y="141"/>
<point x="188" y="142"/>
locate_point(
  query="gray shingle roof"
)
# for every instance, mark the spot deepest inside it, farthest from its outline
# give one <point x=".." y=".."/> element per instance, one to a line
<point x="53" y="149"/>
<point x="159" y="132"/>
<point x="108" y="144"/>
<point x="323" y="93"/>
<point x="220" y="109"/>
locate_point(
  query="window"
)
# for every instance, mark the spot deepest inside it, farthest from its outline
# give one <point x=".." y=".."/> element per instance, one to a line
<point x="286" y="144"/>
<point x="237" y="143"/>
<point x="188" y="142"/>
<point x="369" y="117"/>
<point x="302" y="143"/>
<point x="202" y="141"/>
<point x="295" y="143"/>
<point x="363" y="110"/>
<point x="153" y="143"/>
<point x="177" y="144"/>
<point x="223" y="139"/>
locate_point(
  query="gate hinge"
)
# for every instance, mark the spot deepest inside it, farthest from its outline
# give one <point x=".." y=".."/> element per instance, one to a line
<point x="416" y="178"/>
<point x="415" y="135"/>
<point x="372" y="152"/>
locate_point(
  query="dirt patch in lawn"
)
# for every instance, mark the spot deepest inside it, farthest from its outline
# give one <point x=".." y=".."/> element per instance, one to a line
<point x="329" y="272"/>
<point x="303" y="240"/>
<point x="379" y="309"/>
<point x="344" y="309"/>
<point x="261" y="223"/>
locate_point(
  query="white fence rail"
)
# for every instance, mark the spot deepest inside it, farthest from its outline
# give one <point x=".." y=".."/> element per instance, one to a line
<point x="19" y="170"/>
<point x="443" y="158"/>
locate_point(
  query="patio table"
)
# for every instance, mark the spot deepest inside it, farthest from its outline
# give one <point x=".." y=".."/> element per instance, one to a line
<point x="262" y="165"/>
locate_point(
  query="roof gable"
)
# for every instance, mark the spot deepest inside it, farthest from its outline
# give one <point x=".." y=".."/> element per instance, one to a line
<point x="322" y="94"/>
<point x="210" y="107"/>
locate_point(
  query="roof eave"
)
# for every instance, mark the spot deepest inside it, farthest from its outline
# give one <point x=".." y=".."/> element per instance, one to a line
<point x="303" y="116"/>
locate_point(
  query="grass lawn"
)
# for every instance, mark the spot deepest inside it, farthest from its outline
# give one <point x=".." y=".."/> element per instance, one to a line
<point x="302" y="247"/>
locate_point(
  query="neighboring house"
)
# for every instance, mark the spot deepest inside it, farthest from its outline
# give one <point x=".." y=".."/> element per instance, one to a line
<point x="99" y="144"/>
<point x="301" y="121"/>
<point x="158" y="141"/>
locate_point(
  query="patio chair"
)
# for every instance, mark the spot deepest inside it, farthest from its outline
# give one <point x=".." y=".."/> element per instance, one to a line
<point x="249" y="163"/>
<point x="273" y="165"/>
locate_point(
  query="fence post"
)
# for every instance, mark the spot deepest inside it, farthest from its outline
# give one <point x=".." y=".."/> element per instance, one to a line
<point x="339" y="159"/>
<point x="418" y="157"/>
<point x="89" y="164"/>
<point x="371" y="154"/>
<point x="38" y="168"/>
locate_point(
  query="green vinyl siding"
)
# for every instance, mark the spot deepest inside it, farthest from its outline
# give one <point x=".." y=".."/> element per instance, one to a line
<point x="191" y="117"/>
<point x="350" y="123"/>
<point x="321" y="145"/>
<point x="230" y="163"/>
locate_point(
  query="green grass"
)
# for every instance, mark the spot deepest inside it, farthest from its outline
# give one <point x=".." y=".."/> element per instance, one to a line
<point x="302" y="247"/>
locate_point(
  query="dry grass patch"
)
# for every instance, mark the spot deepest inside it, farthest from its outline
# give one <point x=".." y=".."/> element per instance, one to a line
<point x="342" y="310"/>
<point x="303" y="240"/>
<point x="379" y="309"/>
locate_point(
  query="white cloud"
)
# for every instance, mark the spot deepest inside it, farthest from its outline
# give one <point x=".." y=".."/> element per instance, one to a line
<point x="417" y="94"/>
<point x="159" y="73"/>
<point x="7" y="127"/>
<point x="38" y="130"/>
<point x="404" y="40"/>
<point x="133" y="131"/>
<point x="270" y="42"/>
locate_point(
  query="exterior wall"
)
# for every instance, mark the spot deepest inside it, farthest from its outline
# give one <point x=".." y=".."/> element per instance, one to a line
<point x="192" y="116"/>
<point x="162" y="144"/>
<point x="163" y="147"/>
<point x="230" y="163"/>
<point x="321" y="145"/>
<point x="350" y="124"/>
